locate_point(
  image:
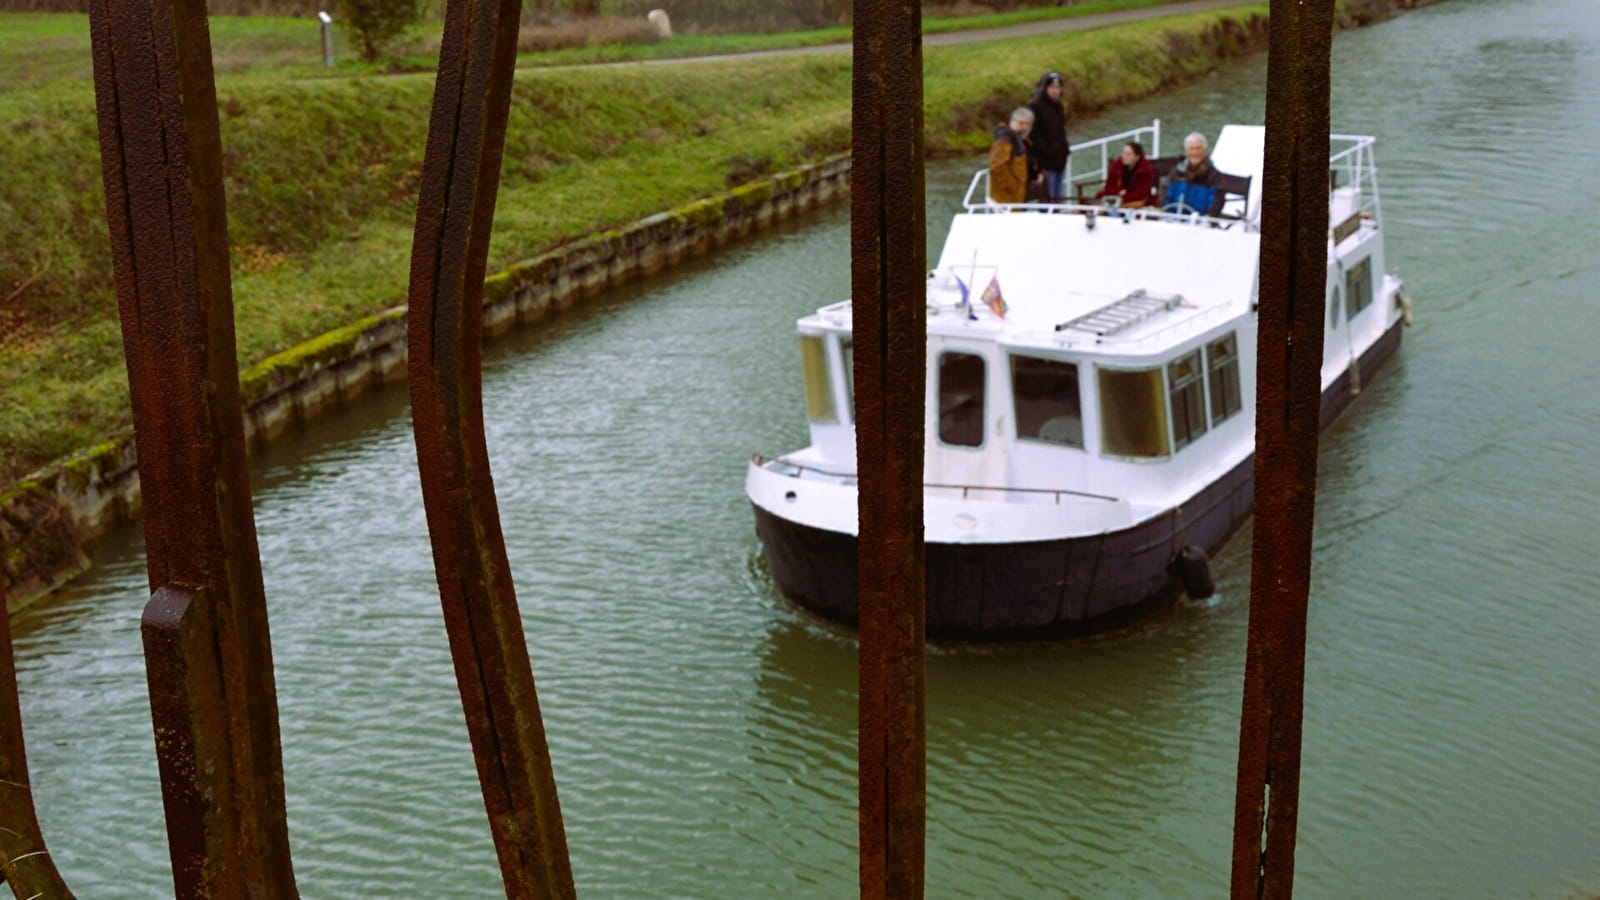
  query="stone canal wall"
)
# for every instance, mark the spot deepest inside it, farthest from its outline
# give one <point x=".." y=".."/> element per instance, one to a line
<point x="47" y="518"/>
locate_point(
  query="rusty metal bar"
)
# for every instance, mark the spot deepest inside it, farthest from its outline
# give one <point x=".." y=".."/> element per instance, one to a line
<point x="460" y="173"/>
<point x="25" y="863"/>
<point x="1294" y="265"/>
<point x="161" y="159"/>
<point x="888" y="271"/>
<point x="185" y="689"/>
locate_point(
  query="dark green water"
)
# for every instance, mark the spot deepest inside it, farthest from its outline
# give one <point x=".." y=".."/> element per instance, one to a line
<point x="702" y="731"/>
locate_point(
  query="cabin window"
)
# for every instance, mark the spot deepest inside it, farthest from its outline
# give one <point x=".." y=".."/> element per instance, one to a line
<point x="1133" y="413"/>
<point x="1047" y="404"/>
<point x="1222" y="366"/>
<point x="1358" y="284"/>
<point x="961" y="377"/>
<point x="1188" y="392"/>
<point x="1335" y="306"/>
<point x="848" y="356"/>
<point x="820" y="408"/>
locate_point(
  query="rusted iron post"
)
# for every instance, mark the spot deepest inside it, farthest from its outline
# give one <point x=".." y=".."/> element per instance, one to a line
<point x="25" y="863"/>
<point x="216" y="735"/>
<point x="1294" y="265"/>
<point x="460" y="173"/>
<point x="888" y="288"/>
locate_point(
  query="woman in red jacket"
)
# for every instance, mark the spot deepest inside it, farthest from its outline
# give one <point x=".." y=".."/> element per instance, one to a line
<point x="1131" y="177"/>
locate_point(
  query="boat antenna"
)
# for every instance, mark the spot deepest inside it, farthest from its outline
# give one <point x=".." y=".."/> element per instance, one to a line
<point x="972" y="277"/>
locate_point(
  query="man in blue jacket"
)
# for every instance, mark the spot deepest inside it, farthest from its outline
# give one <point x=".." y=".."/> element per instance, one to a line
<point x="1193" y="184"/>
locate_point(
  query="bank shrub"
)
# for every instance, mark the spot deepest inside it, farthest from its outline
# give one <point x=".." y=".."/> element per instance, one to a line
<point x="375" y="25"/>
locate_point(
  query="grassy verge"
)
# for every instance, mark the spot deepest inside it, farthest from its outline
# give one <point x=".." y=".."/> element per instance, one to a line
<point x="693" y="45"/>
<point x="321" y="180"/>
<point x="37" y="48"/>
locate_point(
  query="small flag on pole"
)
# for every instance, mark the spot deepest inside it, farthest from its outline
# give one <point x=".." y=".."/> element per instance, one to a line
<point x="992" y="298"/>
<point x="966" y="295"/>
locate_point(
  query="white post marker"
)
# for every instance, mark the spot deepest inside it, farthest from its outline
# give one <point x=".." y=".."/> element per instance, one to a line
<point x="327" y="38"/>
<point x="658" y="18"/>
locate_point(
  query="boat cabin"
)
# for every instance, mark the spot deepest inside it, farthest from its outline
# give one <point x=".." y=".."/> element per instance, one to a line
<point x="1090" y="416"/>
<point x="1121" y="352"/>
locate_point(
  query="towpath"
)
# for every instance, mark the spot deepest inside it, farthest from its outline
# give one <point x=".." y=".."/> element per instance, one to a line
<point x="1003" y="32"/>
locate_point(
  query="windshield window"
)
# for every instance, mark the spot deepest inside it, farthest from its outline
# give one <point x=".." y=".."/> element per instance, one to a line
<point x="1047" y="404"/>
<point x="820" y="407"/>
<point x="1133" y="413"/>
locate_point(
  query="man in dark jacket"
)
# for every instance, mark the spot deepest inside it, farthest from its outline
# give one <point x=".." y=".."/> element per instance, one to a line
<point x="1049" y="137"/>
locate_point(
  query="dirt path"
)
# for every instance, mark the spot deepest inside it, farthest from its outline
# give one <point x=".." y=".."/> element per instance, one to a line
<point x="1004" y="32"/>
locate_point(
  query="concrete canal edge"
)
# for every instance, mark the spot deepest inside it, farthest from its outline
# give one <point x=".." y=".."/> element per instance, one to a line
<point x="49" y="517"/>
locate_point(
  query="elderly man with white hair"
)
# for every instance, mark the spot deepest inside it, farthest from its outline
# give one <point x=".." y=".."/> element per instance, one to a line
<point x="1193" y="185"/>
<point x="1011" y="171"/>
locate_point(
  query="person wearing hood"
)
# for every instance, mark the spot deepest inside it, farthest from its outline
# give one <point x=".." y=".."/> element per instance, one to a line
<point x="1010" y="171"/>
<point x="1049" y="138"/>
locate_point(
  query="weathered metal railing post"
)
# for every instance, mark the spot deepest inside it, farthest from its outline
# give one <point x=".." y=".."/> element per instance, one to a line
<point x="209" y="657"/>
<point x="1294" y="264"/>
<point x="25" y="864"/>
<point x="888" y="288"/>
<point x="460" y="173"/>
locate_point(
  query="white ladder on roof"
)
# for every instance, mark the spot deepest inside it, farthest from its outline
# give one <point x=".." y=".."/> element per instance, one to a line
<point x="1122" y="314"/>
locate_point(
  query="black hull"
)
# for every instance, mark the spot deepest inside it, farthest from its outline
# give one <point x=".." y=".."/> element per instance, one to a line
<point x="1039" y="590"/>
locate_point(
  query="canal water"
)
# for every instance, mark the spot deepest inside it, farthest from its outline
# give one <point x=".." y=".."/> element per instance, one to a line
<point x="702" y="730"/>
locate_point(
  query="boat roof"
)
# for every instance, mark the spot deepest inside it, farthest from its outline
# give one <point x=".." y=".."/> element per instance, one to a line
<point x="1078" y="280"/>
<point x="1055" y="273"/>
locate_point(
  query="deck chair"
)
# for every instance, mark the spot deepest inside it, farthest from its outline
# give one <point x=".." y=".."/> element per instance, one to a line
<point x="1163" y="166"/>
<point x="1228" y="187"/>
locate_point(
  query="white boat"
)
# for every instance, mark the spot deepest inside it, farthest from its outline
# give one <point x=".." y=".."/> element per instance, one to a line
<point x="1089" y="448"/>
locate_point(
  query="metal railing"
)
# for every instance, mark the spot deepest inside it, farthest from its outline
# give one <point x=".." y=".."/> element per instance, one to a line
<point x="1104" y="149"/>
<point x="1351" y="165"/>
<point x="1099" y="148"/>
<point x="765" y="461"/>
<point x="978" y="187"/>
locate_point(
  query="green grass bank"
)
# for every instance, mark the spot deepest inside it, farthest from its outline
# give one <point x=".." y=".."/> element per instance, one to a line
<point x="40" y="47"/>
